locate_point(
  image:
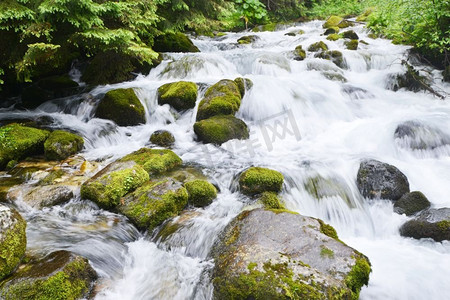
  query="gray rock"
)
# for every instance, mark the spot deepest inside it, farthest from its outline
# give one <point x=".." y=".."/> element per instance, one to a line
<point x="417" y="136"/>
<point x="42" y="196"/>
<point x="411" y="203"/>
<point x="264" y="254"/>
<point x="378" y="180"/>
<point x="432" y="223"/>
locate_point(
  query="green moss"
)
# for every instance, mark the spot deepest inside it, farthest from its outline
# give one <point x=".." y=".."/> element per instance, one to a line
<point x="351" y="45"/>
<point x="328" y="230"/>
<point x="61" y="144"/>
<point x="443" y="225"/>
<point x="299" y="53"/>
<point x="270" y="200"/>
<point x="248" y="39"/>
<point x="155" y="161"/>
<point x="18" y="142"/>
<point x="333" y="55"/>
<point x="180" y="95"/>
<point x="107" y="190"/>
<point x="283" y="210"/>
<point x="332" y="30"/>
<point x="358" y="276"/>
<point x="201" y="192"/>
<point x="50" y="178"/>
<point x="363" y="17"/>
<point x="334" y="76"/>
<point x="256" y="180"/>
<point x="326" y="252"/>
<point x="152" y="204"/>
<point x="6" y="183"/>
<point x="174" y="42"/>
<point x="335" y="21"/>
<point x="319" y="46"/>
<point x="11" y="164"/>
<point x="243" y="84"/>
<point x="162" y="138"/>
<point x="121" y="106"/>
<point x="333" y="37"/>
<point x="12" y="244"/>
<point x="219" y="129"/>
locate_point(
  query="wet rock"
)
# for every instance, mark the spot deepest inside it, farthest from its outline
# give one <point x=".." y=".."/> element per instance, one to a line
<point x="333" y="37"/>
<point x="271" y="200"/>
<point x="256" y="180"/>
<point x="61" y="144"/>
<point x="335" y="21"/>
<point x="121" y="106"/>
<point x="39" y="197"/>
<point x="264" y="254"/>
<point x="335" y="76"/>
<point x="356" y="92"/>
<point x="13" y="240"/>
<point x="18" y="142"/>
<point x="219" y="129"/>
<point x="6" y="183"/>
<point x="378" y="180"/>
<point x="410" y="80"/>
<point x="331" y="30"/>
<point x="154" y="202"/>
<point x="319" y="46"/>
<point x="411" y="203"/>
<point x="299" y="53"/>
<point x="162" y="138"/>
<point x="417" y="136"/>
<point x="180" y="95"/>
<point x="248" y="39"/>
<point x="244" y="84"/>
<point x="320" y="187"/>
<point x="60" y="275"/>
<point x="350" y="34"/>
<point x="174" y="42"/>
<point x="154" y="161"/>
<point x="351" y="45"/>
<point x="113" y="182"/>
<point x="201" y="192"/>
<point x="432" y="223"/>
<point x="333" y="55"/>
<point x="295" y="32"/>
<point x="223" y="98"/>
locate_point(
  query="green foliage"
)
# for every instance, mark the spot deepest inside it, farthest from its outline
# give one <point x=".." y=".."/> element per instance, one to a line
<point x="325" y="8"/>
<point x="252" y="10"/>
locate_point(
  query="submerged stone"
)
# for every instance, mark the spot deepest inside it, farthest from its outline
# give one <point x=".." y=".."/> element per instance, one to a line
<point x="61" y="144"/>
<point x="219" y="129"/>
<point x="417" y="136"/>
<point x="180" y="95"/>
<point x="333" y="55"/>
<point x="121" y="106"/>
<point x="174" y="42"/>
<point x="411" y="203"/>
<point x="61" y="275"/>
<point x="378" y="180"/>
<point x="320" y="187"/>
<point x="256" y="180"/>
<point x="162" y="138"/>
<point x="277" y="254"/>
<point x="432" y="223"/>
<point x="13" y="240"/>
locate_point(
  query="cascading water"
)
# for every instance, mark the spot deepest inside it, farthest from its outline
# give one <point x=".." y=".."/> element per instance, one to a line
<point x="324" y="128"/>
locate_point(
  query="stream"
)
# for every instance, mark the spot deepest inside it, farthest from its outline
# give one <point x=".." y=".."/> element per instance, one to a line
<point x="302" y="124"/>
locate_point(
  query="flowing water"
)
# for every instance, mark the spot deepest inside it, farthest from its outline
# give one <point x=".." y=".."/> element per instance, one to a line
<point x="301" y="124"/>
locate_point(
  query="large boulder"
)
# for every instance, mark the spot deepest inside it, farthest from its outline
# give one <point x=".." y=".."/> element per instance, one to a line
<point x="335" y="21"/>
<point x="244" y="84"/>
<point x="223" y="98"/>
<point x="121" y="106"/>
<point x="151" y="204"/>
<point x="13" y="240"/>
<point x="174" y="42"/>
<point x="378" y="180"/>
<point x="432" y="223"/>
<point x="61" y="275"/>
<point x="201" y="192"/>
<point x="62" y="144"/>
<point x="219" y="129"/>
<point x="276" y="254"/>
<point x="17" y="142"/>
<point x="417" y="136"/>
<point x="154" y="161"/>
<point x="113" y="182"/>
<point x="162" y="138"/>
<point x="257" y="180"/>
<point x="411" y="203"/>
<point x="180" y="95"/>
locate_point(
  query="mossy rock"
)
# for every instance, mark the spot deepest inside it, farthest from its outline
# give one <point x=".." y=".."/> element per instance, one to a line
<point x="299" y="53"/>
<point x="219" y="129"/>
<point x="13" y="240"/>
<point x="334" y="76"/>
<point x="295" y="32"/>
<point x="180" y="95"/>
<point x="270" y="200"/>
<point x="331" y="30"/>
<point x="351" y="45"/>
<point x="55" y="83"/>
<point x="244" y="84"/>
<point x="333" y="37"/>
<point x="154" y="161"/>
<point x="319" y="46"/>
<point x="201" y="192"/>
<point x="153" y="203"/>
<point x="411" y="80"/>
<point x="113" y="182"/>
<point x="18" y="142"/>
<point x="100" y="70"/>
<point x="59" y="276"/>
<point x="222" y="98"/>
<point x="266" y="27"/>
<point x="431" y="223"/>
<point x="334" y="55"/>
<point x="320" y="188"/>
<point x="174" y="42"/>
<point x="6" y="183"/>
<point x="162" y="138"/>
<point x="373" y="35"/>
<point x="121" y="106"/>
<point x="335" y="21"/>
<point x="33" y="96"/>
<point x="248" y="39"/>
<point x="277" y="254"/>
<point x="62" y="144"/>
<point x="350" y="34"/>
<point x="256" y="180"/>
<point x="411" y="203"/>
